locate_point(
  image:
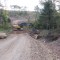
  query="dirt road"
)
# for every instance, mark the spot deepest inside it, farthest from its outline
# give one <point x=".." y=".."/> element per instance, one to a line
<point x="24" y="47"/>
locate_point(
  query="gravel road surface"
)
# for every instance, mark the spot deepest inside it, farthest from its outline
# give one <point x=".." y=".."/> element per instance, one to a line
<point x="24" y="47"/>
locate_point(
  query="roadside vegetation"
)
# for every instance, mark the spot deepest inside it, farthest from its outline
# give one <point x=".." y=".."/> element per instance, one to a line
<point x="4" y="21"/>
<point x="48" y="18"/>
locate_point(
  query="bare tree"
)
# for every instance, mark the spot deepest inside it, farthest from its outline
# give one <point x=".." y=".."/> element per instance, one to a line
<point x="37" y="11"/>
<point x="15" y="7"/>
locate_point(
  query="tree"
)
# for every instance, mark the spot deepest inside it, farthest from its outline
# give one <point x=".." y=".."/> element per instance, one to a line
<point x="1" y="11"/>
<point x="15" y="7"/>
<point x="47" y="17"/>
<point x="37" y="12"/>
<point x="1" y="6"/>
<point x="4" y="19"/>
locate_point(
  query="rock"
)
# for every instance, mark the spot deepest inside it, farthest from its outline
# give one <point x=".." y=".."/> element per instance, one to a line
<point x="36" y="36"/>
<point x="3" y="35"/>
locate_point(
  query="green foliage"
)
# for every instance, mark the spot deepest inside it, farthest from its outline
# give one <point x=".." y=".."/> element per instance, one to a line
<point x="5" y="20"/>
<point x="37" y="12"/>
<point x="36" y="25"/>
<point x="48" y="16"/>
<point x="5" y="25"/>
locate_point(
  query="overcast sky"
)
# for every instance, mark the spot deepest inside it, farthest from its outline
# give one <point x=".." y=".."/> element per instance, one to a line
<point x="30" y="4"/>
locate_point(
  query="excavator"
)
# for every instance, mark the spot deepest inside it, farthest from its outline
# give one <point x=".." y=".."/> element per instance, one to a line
<point x="18" y="27"/>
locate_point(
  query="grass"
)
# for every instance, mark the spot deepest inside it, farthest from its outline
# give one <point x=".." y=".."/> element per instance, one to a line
<point x="3" y="29"/>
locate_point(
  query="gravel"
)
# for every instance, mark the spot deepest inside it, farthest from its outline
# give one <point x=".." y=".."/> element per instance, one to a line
<point x="24" y="47"/>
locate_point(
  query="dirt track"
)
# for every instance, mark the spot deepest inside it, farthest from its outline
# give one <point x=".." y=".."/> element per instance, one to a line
<point x="24" y="47"/>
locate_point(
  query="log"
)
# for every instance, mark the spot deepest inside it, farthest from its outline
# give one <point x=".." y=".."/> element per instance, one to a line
<point x="3" y="35"/>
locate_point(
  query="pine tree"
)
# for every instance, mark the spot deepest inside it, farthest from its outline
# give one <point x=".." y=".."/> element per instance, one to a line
<point x="47" y="17"/>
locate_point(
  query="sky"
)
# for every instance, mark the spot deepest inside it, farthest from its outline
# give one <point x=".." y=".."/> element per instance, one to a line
<point x="30" y="4"/>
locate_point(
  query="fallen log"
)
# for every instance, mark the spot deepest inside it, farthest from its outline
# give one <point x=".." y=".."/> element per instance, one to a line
<point x="3" y="35"/>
